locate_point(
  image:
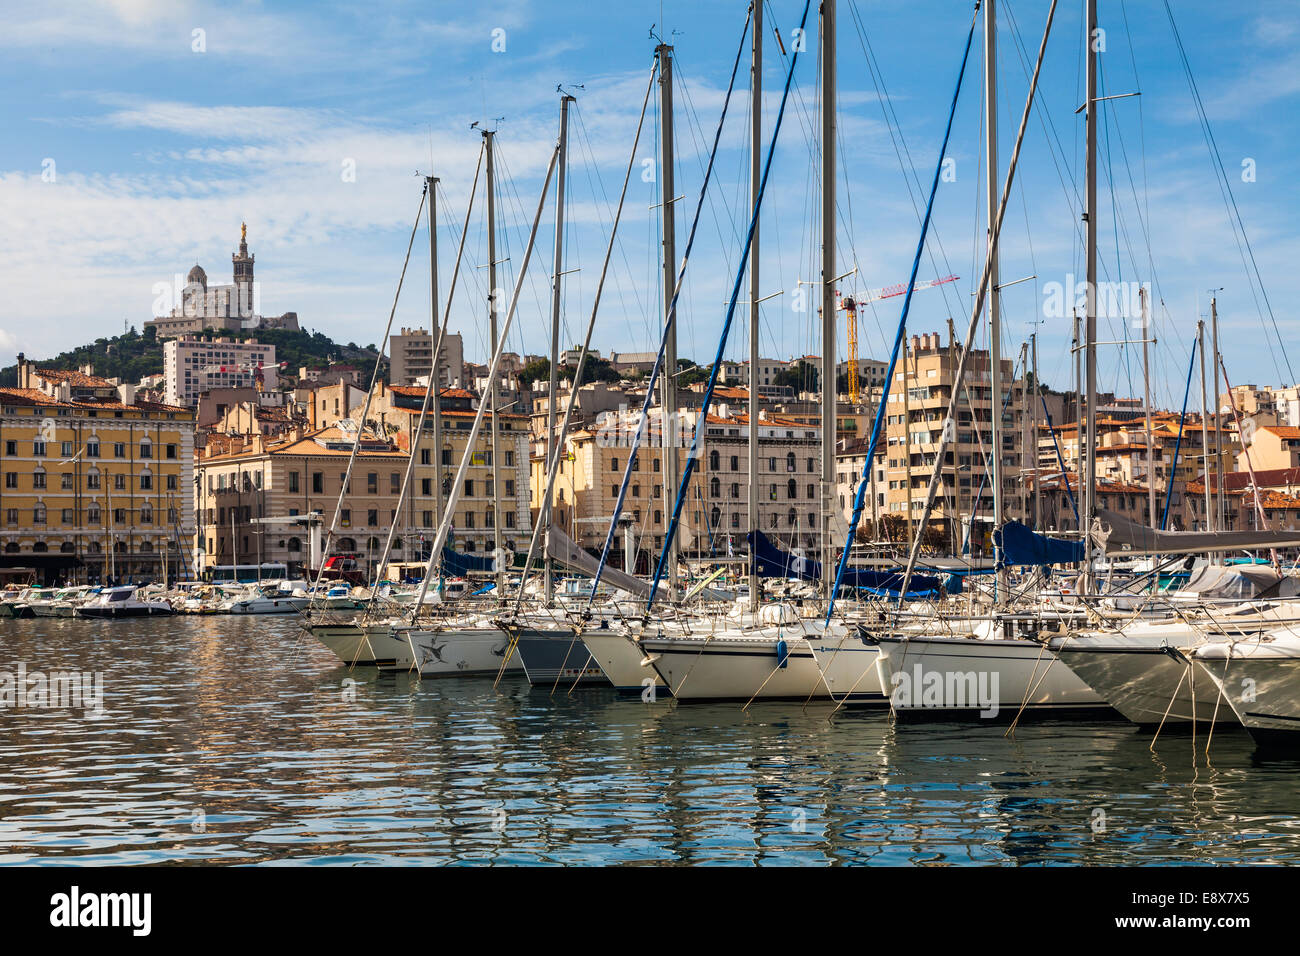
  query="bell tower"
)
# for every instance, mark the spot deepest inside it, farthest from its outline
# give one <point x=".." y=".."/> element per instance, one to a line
<point x="243" y="263"/>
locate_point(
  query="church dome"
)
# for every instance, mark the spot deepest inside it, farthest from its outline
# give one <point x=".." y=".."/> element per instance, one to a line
<point x="197" y="276"/>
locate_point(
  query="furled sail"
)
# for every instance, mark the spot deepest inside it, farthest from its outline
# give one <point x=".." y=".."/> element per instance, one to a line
<point x="568" y="552"/>
<point x="1022" y="547"/>
<point x="1116" y="534"/>
<point x="771" y="562"/>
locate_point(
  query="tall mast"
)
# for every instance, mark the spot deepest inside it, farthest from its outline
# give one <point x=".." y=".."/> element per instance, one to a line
<point x="1033" y="426"/>
<point x="991" y="204"/>
<point x="1089" y="481"/>
<point x="432" y="182"/>
<point x="829" y="397"/>
<point x="1077" y="348"/>
<point x="1210" y="524"/>
<point x="995" y="316"/>
<point x="669" y="426"/>
<point x="755" y="179"/>
<point x="1215" y="365"/>
<point x="488" y="140"/>
<point x="554" y="443"/>
<point x="1146" y="386"/>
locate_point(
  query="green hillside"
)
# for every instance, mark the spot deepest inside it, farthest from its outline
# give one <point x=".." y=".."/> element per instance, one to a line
<point x="133" y="355"/>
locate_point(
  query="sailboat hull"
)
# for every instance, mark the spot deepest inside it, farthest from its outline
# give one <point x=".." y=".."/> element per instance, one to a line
<point x="950" y="678"/>
<point x="620" y="658"/>
<point x="351" y="643"/>
<point x="1263" y="689"/>
<point x="1148" y="685"/>
<point x="460" y="652"/>
<point x="552" y="655"/>
<point x="726" y="668"/>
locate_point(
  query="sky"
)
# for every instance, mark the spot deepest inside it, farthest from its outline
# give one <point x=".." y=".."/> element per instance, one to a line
<point x="140" y="134"/>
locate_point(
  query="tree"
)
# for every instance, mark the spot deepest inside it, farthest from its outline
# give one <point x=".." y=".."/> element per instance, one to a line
<point x="801" y="376"/>
<point x="688" y="373"/>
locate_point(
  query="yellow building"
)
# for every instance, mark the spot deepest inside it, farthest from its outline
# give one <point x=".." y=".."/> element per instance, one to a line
<point x="245" y="477"/>
<point x="96" y="483"/>
<point x="914" y="424"/>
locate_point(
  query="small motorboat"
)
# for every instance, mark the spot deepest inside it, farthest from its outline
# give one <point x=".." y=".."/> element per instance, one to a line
<point x="123" y="602"/>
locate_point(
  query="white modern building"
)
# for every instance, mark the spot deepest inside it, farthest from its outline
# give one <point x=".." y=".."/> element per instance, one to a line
<point x="193" y="365"/>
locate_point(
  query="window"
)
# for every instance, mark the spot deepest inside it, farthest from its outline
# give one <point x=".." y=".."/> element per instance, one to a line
<point x="372" y="517"/>
<point x="38" y="479"/>
<point x="715" y="487"/>
<point x="657" y="465"/>
<point x="345" y="517"/>
<point x="735" y="463"/>
<point x="146" y="514"/>
<point x="65" y="449"/>
<point x="11" y="448"/>
<point x="38" y="448"/>
<point x="11" y="516"/>
<point x="11" y="479"/>
<point x="426" y="519"/>
<point x="469" y="519"/>
<point x="146" y="482"/>
<point x="510" y="487"/>
<point x="812" y="492"/>
<point x="489" y="519"/>
<point x="317" y="482"/>
<point x="791" y="489"/>
<point x="613" y="464"/>
<point x="372" y="483"/>
<point x="789" y="462"/>
<point x="714" y="460"/>
<point x="38" y="514"/>
<point x="119" y="482"/>
<point x="92" y="479"/>
<point x="65" y="481"/>
<point x="510" y="519"/>
<point x="119" y="450"/>
<point x="510" y="459"/>
<point x="171" y="451"/>
<point x="171" y="482"/>
<point x="293" y="482"/>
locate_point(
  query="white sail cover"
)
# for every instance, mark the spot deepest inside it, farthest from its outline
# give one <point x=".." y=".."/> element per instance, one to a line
<point x="565" y="550"/>
<point x="1116" y="534"/>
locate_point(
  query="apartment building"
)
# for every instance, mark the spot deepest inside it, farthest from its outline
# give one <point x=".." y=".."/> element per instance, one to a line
<point x="244" y="478"/>
<point x="411" y="357"/>
<point x="714" y="519"/>
<point x="395" y="415"/>
<point x="918" y="406"/>
<point x="193" y="365"/>
<point x="97" y="483"/>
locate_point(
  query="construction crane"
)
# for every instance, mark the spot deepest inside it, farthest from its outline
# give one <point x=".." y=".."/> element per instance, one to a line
<point x="850" y="307"/>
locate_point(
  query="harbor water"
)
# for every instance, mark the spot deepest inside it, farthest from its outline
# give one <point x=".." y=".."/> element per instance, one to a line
<point x="240" y="740"/>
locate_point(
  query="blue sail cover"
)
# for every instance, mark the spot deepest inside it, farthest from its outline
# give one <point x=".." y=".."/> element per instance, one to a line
<point x="459" y="565"/>
<point x="771" y="562"/>
<point x="1020" y="546"/>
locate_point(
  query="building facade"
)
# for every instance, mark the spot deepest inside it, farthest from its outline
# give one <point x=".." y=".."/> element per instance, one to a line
<point x="714" y="519"/>
<point x="97" y="484"/>
<point x="194" y="365"/>
<point x="411" y="358"/>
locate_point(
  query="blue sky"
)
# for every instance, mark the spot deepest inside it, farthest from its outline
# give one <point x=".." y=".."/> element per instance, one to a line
<point x="159" y="151"/>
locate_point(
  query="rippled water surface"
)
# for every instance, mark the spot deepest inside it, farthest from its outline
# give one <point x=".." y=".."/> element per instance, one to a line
<point x="241" y="740"/>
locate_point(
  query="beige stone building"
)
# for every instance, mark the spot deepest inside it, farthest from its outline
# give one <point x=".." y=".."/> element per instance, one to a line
<point x="411" y="357"/>
<point x="918" y="405"/>
<point x="715" y="516"/>
<point x="96" y="482"/>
